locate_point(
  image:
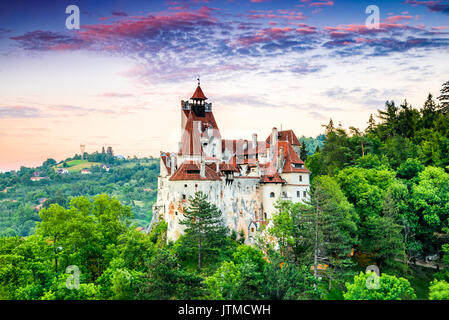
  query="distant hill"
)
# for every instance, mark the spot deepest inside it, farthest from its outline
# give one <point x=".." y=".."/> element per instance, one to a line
<point x="133" y="182"/>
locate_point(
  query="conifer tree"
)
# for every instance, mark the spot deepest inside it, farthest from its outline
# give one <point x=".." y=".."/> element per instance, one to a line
<point x="444" y="98"/>
<point x="327" y="224"/>
<point x="371" y="124"/>
<point x="205" y="231"/>
<point x="429" y="112"/>
<point x="303" y="151"/>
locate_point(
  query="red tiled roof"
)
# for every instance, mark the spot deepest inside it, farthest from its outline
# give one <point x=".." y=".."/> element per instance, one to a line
<point x="198" y="94"/>
<point x="291" y="157"/>
<point x="286" y="135"/>
<point x="164" y="156"/>
<point x="274" y="178"/>
<point x="229" y="167"/>
<point x="190" y="170"/>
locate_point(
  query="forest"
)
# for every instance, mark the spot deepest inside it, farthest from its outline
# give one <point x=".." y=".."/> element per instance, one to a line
<point x="379" y="197"/>
<point x="132" y="181"/>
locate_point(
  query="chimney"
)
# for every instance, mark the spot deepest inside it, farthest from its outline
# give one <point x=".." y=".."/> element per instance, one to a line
<point x="218" y="166"/>
<point x="273" y="143"/>
<point x="173" y="161"/>
<point x="280" y="158"/>
<point x="254" y="136"/>
<point x="203" y="169"/>
<point x="274" y="136"/>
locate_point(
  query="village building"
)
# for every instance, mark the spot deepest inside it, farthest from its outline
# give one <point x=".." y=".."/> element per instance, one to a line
<point x="62" y="171"/>
<point x="243" y="178"/>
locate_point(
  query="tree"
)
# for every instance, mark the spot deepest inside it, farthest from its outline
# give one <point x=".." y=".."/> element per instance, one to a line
<point x="321" y="232"/>
<point x="439" y="290"/>
<point x="371" y="124"/>
<point x="430" y="199"/>
<point x="205" y="231"/>
<point x="224" y="283"/>
<point x="288" y="281"/>
<point x="334" y="223"/>
<point x="444" y="98"/>
<point x="49" y="162"/>
<point x="410" y="169"/>
<point x="387" y="288"/>
<point x="165" y="280"/>
<point x="303" y="152"/>
<point x="429" y="112"/>
<point x="383" y="240"/>
<point x="109" y="151"/>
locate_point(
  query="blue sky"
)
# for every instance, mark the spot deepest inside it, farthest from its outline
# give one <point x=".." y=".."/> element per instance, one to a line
<point x="119" y="78"/>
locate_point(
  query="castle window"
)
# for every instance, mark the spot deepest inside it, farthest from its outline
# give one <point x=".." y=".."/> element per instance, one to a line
<point x="185" y="186"/>
<point x="183" y="196"/>
<point x="176" y="212"/>
<point x="196" y="186"/>
<point x="272" y="195"/>
<point x="300" y="178"/>
<point x="305" y="194"/>
<point x="298" y="194"/>
<point x="252" y="229"/>
<point x="265" y="215"/>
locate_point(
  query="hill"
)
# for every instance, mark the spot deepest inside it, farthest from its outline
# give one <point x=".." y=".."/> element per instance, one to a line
<point x="133" y="182"/>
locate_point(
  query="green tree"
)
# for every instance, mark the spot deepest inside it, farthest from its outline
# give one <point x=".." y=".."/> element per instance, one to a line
<point x="439" y="290"/>
<point x="288" y="281"/>
<point x="444" y="98"/>
<point x="386" y="287"/>
<point x="166" y="280"/>
<point x="205" y="232"/>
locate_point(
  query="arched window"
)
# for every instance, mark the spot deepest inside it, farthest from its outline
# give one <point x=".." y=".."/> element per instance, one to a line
<point x="272" y="195"/>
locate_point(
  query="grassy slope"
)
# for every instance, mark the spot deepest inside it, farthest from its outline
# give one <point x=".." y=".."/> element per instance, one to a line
<point x="78" y="165"/>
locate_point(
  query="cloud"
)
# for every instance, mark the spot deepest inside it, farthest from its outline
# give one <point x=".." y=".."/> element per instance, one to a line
<point x="19" y="112"/>
<point x="441" y="6"/>
<point x="174" y="44"/>
<point x="116" y="95"/>
<point x="283" y="14"/>
<point x="395" y="19"/>
<point x="48" y="40"/>
<point x="119" y="14"/>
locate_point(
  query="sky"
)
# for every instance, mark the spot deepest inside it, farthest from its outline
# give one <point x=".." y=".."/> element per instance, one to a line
<point x="118" y="79"/>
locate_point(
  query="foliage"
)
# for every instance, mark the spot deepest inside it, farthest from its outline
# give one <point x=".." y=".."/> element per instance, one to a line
<point x="388" y="288"/>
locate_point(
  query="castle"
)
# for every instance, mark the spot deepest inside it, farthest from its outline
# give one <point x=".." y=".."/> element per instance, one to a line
<point x="243" y="178"/>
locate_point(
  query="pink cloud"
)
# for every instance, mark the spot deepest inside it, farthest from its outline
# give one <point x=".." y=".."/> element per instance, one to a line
<point x="265" y="35"/>
<point x="395" y="19"/>
<point x="321" y="4"/>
